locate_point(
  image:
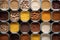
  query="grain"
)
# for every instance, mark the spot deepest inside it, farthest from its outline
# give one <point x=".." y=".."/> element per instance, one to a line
<point x="46" y="16"/>
<point x="14" y="27"/>
<point x="24" y="16"/>
<point x="45" y="5"/>
<point x="14" y="5"/>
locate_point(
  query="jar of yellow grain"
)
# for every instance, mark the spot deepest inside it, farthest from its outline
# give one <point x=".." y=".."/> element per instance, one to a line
<point x="14" y="27"/>
<point x="24" y="16"/>
<point x="35" y="37"/>
<point x="46" y="16"/>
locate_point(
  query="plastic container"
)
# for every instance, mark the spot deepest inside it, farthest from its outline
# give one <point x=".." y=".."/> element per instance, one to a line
<point x="35" y="5"/>
<point x="35" y="37"/>
<point x="24" y="5"/>
<point x="14" y="36"/>
<point x="46" y="16"/>
<point x="25" y="16"/>
<point x="35" y="27"/>
<point x="4" y="4"/>
<point x="25" y="27"/>
<point x="55" y="27"/>
<point x="14" y="27"/>
<point x="4" y="16"/>
<point x="55" y="16"/>
<point x="4" y="27"/>
<point x="46" y="27"/>
<point x="47" y="6"/>
<point x="56" y="8"/>
<point x="14" y="16"/>
<point x="35" y="16"/>
<point x="55" y="36"/>
<point x="14" y="5"/>
<point x="45" y="37"/>
<point x="4" y="36"/>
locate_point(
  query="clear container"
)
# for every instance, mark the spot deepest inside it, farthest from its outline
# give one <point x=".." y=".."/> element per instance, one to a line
<point x="14" y="5"/>
<point x="47" y="6"/>
<point x="55" y="14"/>
<point x="54" y="9"/>
<point x="35" y="27"/>
<point x="4" y="16"/>
<point x="25" y="37"/>
<point x="46" y="16"/>
<point x="25" y="27"/>
<point x="35" y="16"/>
<point x="14" y="36"/>
<point x="14" y="27"/>
<point x="55" y="27"/>
<point x="4" y="27"/>
<point x="4" y="36"/>
<point x="35" y="5"/>
<point x="14" y="16"/>
<point x="55" y="36"/>
<point x="4" y="5"/>
<point x="25" y="16"/>
<point x="45" y="37"/>
<point x="35" y="37"/>
<point x="24" y="5"/>
<point x="46" y="27"/>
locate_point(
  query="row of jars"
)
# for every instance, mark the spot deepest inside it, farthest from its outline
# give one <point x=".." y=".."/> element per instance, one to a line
<point x="34" y="16"/>
<point x="25" y="5"/>
<point x="34" y="27"/>
<point x="29" y="37"/>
